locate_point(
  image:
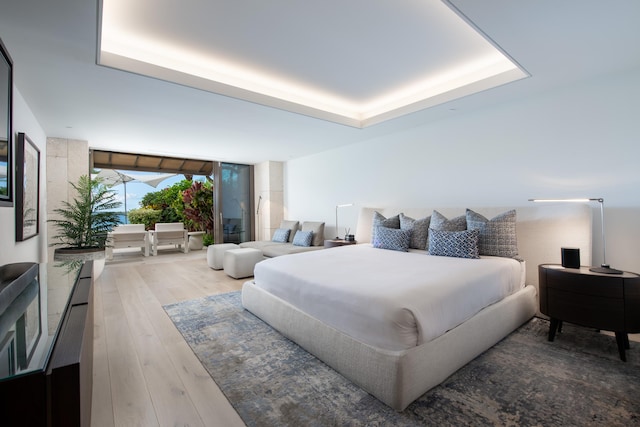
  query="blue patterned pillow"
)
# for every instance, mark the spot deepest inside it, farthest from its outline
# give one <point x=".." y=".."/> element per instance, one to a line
<point x="281" y="235"/>
<point x="391" y="238"/>
<point x="303" y="238"/>
<point x="459" y="244"/>
<point x="497" y="235"/>
<point x="419" y="229"/>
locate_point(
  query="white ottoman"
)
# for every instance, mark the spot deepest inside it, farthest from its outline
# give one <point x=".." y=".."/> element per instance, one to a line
<point x="215" y="254"/>
<point x="239" y="263"/>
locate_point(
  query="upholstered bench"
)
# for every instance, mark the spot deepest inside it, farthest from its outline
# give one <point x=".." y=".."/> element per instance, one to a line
<point x="215" y="254"/>
<point x="239" y="263"/>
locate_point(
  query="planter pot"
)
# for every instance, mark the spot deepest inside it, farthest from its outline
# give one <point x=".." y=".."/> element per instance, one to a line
<point x="97" y="255"/>
<point x="195" y="240"/>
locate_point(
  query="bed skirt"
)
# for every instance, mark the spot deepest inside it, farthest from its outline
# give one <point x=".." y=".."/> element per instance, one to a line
<point x="396" y="378"/>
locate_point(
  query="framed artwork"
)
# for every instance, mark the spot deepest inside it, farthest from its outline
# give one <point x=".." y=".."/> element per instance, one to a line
<point x="6" y="89"/>
<point x="27" y="188"/>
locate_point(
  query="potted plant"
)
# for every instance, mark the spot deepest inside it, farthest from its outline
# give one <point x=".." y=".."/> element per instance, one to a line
<point x="85" y="221"/>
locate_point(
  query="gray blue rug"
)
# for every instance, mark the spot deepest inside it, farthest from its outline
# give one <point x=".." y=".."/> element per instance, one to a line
<point x="578" y="380"/>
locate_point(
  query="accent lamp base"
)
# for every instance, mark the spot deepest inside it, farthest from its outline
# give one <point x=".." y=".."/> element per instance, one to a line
<point x="605" y="269"/>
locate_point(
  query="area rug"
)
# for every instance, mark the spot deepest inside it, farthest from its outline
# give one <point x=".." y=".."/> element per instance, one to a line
<point x="577" y="380"/>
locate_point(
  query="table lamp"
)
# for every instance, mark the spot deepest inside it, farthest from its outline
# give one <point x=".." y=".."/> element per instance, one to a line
<point x="337" y="207"/>
<point x="604" y="267"/>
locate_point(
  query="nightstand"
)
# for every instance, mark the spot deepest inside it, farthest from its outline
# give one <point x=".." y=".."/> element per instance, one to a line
<point x="610" y="302"/>
<point x="338" y="242"/>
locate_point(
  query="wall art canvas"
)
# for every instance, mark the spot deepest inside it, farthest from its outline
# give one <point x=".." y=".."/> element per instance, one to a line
<point x="27" y="188"/>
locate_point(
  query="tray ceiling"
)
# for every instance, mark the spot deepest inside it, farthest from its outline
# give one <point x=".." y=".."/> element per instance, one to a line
<point x="369" y="61"/>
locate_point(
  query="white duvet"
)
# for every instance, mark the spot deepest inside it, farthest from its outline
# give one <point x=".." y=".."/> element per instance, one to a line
<point x="388" y="299"/>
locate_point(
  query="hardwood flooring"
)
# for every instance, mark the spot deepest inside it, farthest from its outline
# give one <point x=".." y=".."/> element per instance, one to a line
<point x="144" y="373"/>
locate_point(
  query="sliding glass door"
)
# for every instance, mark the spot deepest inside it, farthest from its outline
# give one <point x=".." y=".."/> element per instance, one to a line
<point x="233" y="194"/>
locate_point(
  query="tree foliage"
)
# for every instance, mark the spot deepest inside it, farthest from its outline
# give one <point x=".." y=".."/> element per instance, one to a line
<point x="145" y="216"/>
<point x="165" y="201"/>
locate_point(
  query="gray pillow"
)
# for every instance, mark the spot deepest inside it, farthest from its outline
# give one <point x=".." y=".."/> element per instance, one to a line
<point x="440" y="222"/>
<point x="391" y="238"/>
<point x="497" y="235"/>
<point x="379" y="220"/>
<point x="291" y="225"/>
<point x="419" y="229"/>
<point x="459" y="244"/>
<point x="318" y="231"/>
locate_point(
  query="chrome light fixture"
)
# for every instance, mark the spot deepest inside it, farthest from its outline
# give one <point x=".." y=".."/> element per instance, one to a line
<point x="604" y="267"/>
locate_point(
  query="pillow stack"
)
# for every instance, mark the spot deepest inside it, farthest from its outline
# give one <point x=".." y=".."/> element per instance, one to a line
<point x="465" y="236"/>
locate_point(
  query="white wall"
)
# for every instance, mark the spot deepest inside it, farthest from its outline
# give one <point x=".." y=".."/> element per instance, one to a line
<point x="33" y="249"/>
<point x="580" y="141"/>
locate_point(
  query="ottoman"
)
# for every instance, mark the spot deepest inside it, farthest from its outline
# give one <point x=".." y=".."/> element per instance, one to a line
<point x="215" y="254"/>
<point x="239" y="263"/>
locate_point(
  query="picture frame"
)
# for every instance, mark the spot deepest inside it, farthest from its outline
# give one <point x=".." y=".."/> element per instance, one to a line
<point x="6" y="111"/>
<point x="27" y="188"/>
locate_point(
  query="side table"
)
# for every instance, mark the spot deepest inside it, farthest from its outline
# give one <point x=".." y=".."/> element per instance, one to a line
<point x="610" y="302"/>
<point x="332" y="243"/>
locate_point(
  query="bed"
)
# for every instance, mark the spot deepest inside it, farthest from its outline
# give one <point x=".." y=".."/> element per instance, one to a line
<point x="399" y="323"/>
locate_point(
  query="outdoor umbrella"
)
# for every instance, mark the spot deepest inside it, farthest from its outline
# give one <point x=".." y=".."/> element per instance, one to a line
<point x="115" y="177"/>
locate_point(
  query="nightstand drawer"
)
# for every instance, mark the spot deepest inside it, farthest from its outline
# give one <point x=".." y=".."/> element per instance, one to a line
<point x="585" y="284"/>
<point x="586" y="310"/>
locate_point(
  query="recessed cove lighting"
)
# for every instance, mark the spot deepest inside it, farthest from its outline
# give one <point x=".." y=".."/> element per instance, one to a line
<point x="314" y="70"/>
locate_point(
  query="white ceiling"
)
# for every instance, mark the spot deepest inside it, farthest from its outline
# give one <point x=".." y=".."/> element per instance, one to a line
<point x="54" y="48"/>
<point x="320" y="59"/>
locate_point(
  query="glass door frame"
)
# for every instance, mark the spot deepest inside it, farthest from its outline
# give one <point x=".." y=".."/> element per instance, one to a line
<point x="218" y="223"/>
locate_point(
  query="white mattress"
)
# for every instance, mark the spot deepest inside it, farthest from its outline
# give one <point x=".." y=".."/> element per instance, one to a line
<point x="388" y="299"/>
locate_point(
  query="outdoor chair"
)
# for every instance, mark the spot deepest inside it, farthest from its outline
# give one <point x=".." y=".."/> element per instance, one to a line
<point x="127" y="236"/>
<point x="169" y="233"/>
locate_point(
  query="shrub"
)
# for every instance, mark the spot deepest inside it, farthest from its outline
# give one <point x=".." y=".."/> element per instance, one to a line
<point x="148" y="217"/>
<point x="198" y="206"/>
<point x="207" y="239"/>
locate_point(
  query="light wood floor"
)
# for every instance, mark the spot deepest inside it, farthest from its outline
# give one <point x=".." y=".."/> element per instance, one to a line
<point x="144" y="373"/>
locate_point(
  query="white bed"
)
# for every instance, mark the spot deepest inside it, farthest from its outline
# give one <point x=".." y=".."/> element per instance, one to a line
<point x="370" y="313"/>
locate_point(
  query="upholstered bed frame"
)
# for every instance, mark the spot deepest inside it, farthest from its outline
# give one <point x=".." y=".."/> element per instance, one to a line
<point x="397" y="378"/>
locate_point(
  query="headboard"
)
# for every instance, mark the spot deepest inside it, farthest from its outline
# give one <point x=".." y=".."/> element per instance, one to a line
<point x="542" y="229"/>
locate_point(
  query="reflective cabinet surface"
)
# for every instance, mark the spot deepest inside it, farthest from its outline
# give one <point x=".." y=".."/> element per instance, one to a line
<point x="33" y="299"/>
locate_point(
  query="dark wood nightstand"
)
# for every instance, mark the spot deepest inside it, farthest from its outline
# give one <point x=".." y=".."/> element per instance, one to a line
<point x="338" y="242"/>
<point x="610" y="302"/>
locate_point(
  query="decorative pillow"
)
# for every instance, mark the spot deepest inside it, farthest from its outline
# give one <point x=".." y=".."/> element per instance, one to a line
<point x="380" y="221"/>
<point x="497" y="235"/>
<point x="318" y="231"/>
<point x="303" y="238"/>
<point x="281" y="235"/>
<point x="291" y="225"/>
<point x="440" y="222"/>
<point x="392" y="238"/>
<point x="459" y="244"/>
<point x="419" y="229"/>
